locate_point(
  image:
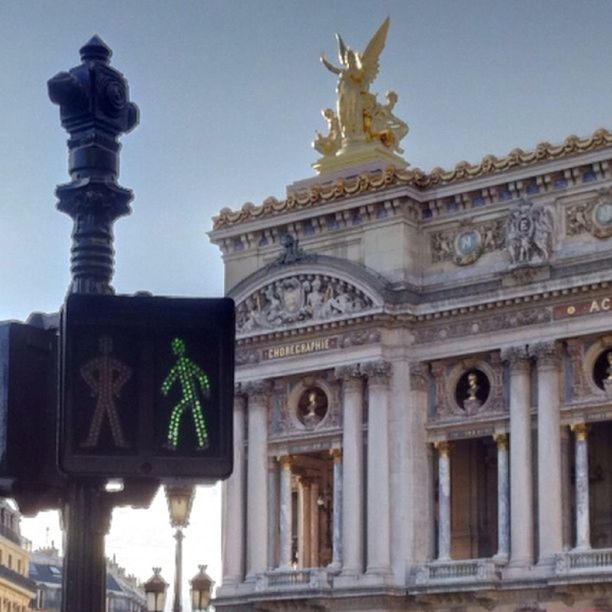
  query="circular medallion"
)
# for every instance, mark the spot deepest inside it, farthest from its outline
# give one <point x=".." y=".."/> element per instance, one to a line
<point x="603" y="213"/>
<point x="312" y="407"/>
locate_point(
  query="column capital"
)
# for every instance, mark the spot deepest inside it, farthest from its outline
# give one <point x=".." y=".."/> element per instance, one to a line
<point x="517" y="356"/>
<point x="419" y="376"/>
<point x="443" y="447"/>
<point x="336" y="454"/>
<point x="580" y="430"/>
<point x="258" y="391"/>
<point x="285" y="461"/>
<point x="547" y="354"/>
<point x="349" y="374"/>
<point x="378" y="372"/>
<point x="501" y="439"/>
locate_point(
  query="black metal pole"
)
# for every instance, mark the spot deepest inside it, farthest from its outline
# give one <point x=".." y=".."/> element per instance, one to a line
<point x="178" y="572"/>
<point x="95" y="110"/>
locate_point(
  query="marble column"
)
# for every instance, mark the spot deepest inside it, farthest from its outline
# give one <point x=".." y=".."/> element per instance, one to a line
<point x="352" y="448"/>
<point x="285" y="505"/>
<point x="550" y="525"/>
<point x="378" y="518"/>
<point x="336" y="563"/>
<point x="257" y="478"/>
<point x="233" y="516"/>
<point x="583" y="527"/>
<point x="444" y="501"/>
<point x="521" y="489"/>
<point x="503" y="498"/>
<point x="314" y="524"/>
<point x="304" y="522"/>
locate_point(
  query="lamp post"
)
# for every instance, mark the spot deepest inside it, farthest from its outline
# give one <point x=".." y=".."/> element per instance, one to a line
<point x="180" y="499"/>
<point x="155" y="591"/>
<point x="201" y="590"/>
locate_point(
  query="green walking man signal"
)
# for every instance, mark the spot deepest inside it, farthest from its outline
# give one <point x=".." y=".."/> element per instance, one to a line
<point x="147" y="387"/>
<point x="189" y="376"/>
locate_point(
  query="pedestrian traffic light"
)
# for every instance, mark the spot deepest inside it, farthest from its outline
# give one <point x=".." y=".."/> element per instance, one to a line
<point x="28" y="416"/>
<point x="147" y="387"/>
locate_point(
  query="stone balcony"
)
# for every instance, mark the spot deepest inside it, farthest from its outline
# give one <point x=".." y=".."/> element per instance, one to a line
<point x="468" y="571"/>
<point x="312" y="579"/>
<point x="580" y="562"/>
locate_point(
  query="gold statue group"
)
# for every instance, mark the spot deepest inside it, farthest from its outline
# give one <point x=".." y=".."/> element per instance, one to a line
<point x="359" y="118"/>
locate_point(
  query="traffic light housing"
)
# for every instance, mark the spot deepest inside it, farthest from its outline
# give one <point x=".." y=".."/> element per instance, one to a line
<point x="28" y="417"/>
<point x="147" y="387"/>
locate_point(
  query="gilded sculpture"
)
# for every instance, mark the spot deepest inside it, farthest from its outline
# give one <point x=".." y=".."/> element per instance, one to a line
<point x="360" y="123"/>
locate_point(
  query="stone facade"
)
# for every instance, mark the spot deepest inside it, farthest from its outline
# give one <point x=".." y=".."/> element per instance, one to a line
<point x="424" y="389"/>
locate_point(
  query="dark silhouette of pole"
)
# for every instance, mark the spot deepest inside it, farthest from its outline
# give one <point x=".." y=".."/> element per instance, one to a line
<point x="95" y="110"/>
<point x="178" y="570"/>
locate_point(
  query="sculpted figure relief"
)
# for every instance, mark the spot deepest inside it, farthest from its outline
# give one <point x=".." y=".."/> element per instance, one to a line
<point x="359" y="117"/>
<point x="296" y="299"/>
<point x="529" y="232"/>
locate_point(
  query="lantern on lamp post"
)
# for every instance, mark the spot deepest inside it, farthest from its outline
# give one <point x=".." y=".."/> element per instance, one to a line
<point x="201" y="590"/>
<point x="155" y="591"/>
<point x="180" y="499"/>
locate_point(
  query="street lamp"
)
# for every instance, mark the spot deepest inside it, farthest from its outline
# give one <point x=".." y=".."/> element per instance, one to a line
<point x="201" y="590"/>
<point x="155" y="591"/>
<point x="180" y="499"/>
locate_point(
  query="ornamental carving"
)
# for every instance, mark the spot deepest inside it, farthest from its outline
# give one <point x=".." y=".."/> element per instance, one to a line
<point x="548" y="354"/>
<point x="459" y="329"/>
<point x="575" y="350"/>
<point x="470" y="387"/>
<point x="378" y="372"/>
<point x="377" y="180"/>
<point x="465" y="244"/>
<point x="311" y="404"/>
<point x="517" y="357"/>
<point x="419" y="376"/>
<point x="359" y="337"/>
<point x="299" y="299"/>
<point x="593" y="216"/>
<point x="529" y="234"/>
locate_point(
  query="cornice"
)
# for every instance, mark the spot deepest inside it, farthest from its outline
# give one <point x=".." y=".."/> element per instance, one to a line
<point x="375" y="181"/>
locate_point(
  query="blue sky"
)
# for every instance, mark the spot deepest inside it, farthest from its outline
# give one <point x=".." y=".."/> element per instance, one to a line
<point x="230" y="93"/>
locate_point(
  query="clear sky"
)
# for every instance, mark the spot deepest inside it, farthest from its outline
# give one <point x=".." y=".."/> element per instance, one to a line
<point x="230" y="93"/>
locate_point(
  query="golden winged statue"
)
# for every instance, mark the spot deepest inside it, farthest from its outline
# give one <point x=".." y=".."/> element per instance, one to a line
<point x="359" y="116"/>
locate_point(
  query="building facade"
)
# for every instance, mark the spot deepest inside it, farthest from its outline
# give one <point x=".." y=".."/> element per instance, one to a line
<point x="16" y="589"/>
<point x="423" y="410"/>
<point x="123" y="592"/>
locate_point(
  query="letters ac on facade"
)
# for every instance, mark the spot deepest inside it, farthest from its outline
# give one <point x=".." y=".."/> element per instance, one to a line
<point x="147" y="387"/>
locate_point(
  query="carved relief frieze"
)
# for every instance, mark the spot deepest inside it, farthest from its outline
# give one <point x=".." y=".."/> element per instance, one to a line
<point x="493" y="323"/>
<point x="463" y="245"/>
<point x="593" y="216"/>
<point x="529" y="234"/>
<point x="359" y="337"/>
<point x="302" y="298"/>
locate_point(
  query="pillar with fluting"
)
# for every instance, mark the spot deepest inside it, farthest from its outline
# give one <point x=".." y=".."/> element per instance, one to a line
<point x="378" y="544"/>
<point x="583" y="527"/>
<point x="285" y="518"/>
<point x="521" y="489"/>
<point x="336" y="562"/>
<point x="503" y="498"/>
<point x="234" y="502"/>
<point x="444" y="500"/>
<point x="257" y="478"/>
<point x="550" y="526"/>
<point x="352" y="448"/>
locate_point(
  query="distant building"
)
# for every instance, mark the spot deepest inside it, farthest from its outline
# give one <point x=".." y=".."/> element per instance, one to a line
<point x="423" y="409"/>
<point x="123" y="593"/>
<point x="16" y="590"/>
